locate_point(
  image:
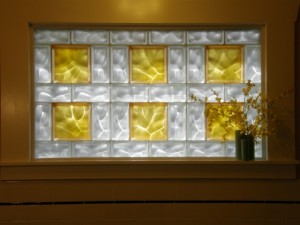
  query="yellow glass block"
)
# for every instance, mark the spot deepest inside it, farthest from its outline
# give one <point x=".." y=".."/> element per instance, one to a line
<point x="71" y="64"/>
<point x="224" y="64"/>
<point x="71" y="121"/>
<point x="148" y="121"/>
<point x="214" y="126"/>
<point x="148" y="64"/>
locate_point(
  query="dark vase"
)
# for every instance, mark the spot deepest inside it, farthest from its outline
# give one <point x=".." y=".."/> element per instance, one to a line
<point x="244" y="146"/>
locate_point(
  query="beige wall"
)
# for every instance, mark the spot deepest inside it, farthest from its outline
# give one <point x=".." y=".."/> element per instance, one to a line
<point x="276" y="16"/>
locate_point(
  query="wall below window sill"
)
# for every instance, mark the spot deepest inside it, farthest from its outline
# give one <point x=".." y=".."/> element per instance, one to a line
<point x="147" y="169"/>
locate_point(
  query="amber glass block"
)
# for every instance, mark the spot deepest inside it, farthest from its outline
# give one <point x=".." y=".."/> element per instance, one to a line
<point x="224" y="64"/>
<point x="148" y="121"/>
<point x="214" y="125"/>
<point x="71" y="64"/>
<point x="71" y="121"/>
<point x="148" y="64"/>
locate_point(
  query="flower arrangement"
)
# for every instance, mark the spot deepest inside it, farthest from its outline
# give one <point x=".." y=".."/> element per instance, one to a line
<point x="254" y="116"/>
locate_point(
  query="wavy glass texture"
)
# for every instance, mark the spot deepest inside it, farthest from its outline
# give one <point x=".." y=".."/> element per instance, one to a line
<point x="119" y="121"/>
<point x="205" y="149"/>
<point x="119" y="65"/>
<point x="130" y="149"/>
<point x="71" y="121"/>
<point x="100" y="65"/>
<point x="89" y="37"/>
<point x="101" y="121"/>
<point x="89" y="149"/>
<point x="167" y="37"/>
<point x="195" y="121"/>
<point x="52" y="93"/>
<point x="148" y="65"/>
<point x="148" y="121"/>
<point x="177" y="121"/>
<point x="91" y="93"/>
<point x="205" y="91"/>
<point x="128" y="37"/>
<point x="43" y="122"/>
<point x="132" y="93"/>
<point x="42" y="64"/>
<point x="224" y="64"/>
<point x="167" y="149"/>
<point x="195" y="66"/>
<point x="205" y="37"/>
<point x="52" y="36"/>
<point x="71" y="64"/>
<point x="243" y="37"/>
<point x="253" y="64"/>
<point x="214" y="129"/>
<point x="176" y="65"/>
<point x="167" y="93"/>
<point x="52" y="149"/>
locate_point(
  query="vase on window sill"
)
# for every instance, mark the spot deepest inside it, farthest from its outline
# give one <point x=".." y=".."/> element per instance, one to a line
<point x="244" y="146"/>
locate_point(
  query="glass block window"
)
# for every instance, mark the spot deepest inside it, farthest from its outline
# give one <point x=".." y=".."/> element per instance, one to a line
<point x="127" y="93"/>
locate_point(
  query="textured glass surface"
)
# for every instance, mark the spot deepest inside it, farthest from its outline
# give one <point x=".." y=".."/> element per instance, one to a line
<point x="90" y="37"/>
<point x="205" y="91"/>
<point x="43" y="122"/>
<point x="119" y="64"/>
<point x="167" y="93"/>
<point x="214" y="129"/>
<point x="205" y="37"/>
<point x="176" y="123"/>
<point x="42" y="64"/>
<point x="128" y="37"/>
<point x="100" y="65"/>
<point x="230" y="149"/>
<point x="91" y="93"/>
<point x="52" y="149"/>
<point x="195" y="121"/>
<point x="130" y="149"/>
<point x="167" y="37"/>
<point x="148" y="65"/>
<point x="176" y="65"/>
<point x="243" y="37"/>
<point x="51" y="36"/>
<point x="205" y="149"/>
<point x="119" y="121"/>
<point x="91" y="149"/>
<point x="132" y="93"/>
<point x="234" y="91"/>
<point x="195" y="66"/>
<point x="53" y="93"/>
<point x="224" y="64"/>
<point x="167" y="149"/>
<point x="253" y="64"/>
<point x="148" y="121"/>
<point x="71" y="121"/>
<point x="71" y="64"/>
<point x="101" y="121"/>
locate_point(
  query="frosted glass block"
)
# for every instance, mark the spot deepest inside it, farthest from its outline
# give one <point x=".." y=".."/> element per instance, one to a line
<point x="195" y="121"/>
<point x="205" y="149"/>
<point x="89" y="37"/>
<point x="71" y="63"/>
<point x="101" y="121"/>
<point x="129" y="93"/>
<point x="167" y="93"/>
<point x="51" y="149"/>
<point x="42" y="67"/>
<point x="230" y="149"/>
<point x="177" y="121"/>
<point x="100" y="65"/>
<point x="51" y="36"/>
<point x="259" y="149"/>
<point x="119" y="121"/>
<point x="130" y="149"/>
<point x="43" y="122"/>
<point x="205" y="91"/>
<point x="167" y="149"/>
<point x="128" y="37"/>
<point x="234" y="91"/>
<point x="91" y="93"/>
<point x="167" y="37"/>
<point x="177" y="65"/>
<point x="205" y="37"/>
<point x="253" y="64"/>
<point x="119" y="65"/>
<point x="91" y="149"/>
<point x="53" y="93"/>
<point x="243" y="37"/>
<point x="196" y="64"/>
